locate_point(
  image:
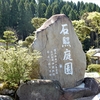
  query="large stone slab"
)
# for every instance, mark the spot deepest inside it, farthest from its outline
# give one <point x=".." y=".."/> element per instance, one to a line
<point x="39" y="90"/>
<point x="62" y="56"/>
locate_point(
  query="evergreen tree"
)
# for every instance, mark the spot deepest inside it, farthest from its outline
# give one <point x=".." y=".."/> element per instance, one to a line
<point x="17" y="14"/>
<point x="28" y="29"/>
<point x="72" y="15"/>
<point x="78" y="6"/>
<point x="32" y="7"/>
<point x="1" y="28"/>
<point x="48" y="12"/>
<point x="56" y="10"/>
<point x="82" y="6"/>
<point x="61" y="4"/>
<point x="13" y="14"/>
<point x="4" y="16"/>
<point x="41" y="9"/>
<point x="64" y="10"/>
<point x="21" y="24"/>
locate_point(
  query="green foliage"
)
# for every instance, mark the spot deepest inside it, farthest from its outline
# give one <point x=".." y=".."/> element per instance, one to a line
<point x="28" y="41"/>
<point x="48" y="13"/>
<point x="9" y="37"/>
<point x="65" y="10"/>
<point x="37" y="22"/>
<point x="25" y="16"/>
<point x="83" y="33"/>
<point x="41" y="10"/>
<point x="13" y="18"/>
<point x="93" y="68"/>
<point x="89" y="56"/>
<point x="18" y="14"/>
<point x="88" y="30"/>
<point x="56" y="9"/>
<point x="92" y="20"/>
<point x="16" y="65"/>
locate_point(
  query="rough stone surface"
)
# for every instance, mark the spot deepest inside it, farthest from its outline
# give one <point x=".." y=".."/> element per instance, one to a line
<point x="39" y="90"/>
<point x="92" y="85"/>
<point x="4" y="97"/>
<point x="62" y="56"/>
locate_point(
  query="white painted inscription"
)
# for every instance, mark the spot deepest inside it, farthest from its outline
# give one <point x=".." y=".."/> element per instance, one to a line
<point x="66" y="42"/>
<point x="52" y="55"/>
<point x="52" y="62"/>
<point x="68" y="68"/>
<point x="67" y="55"/>
<point x="64" y="29"/>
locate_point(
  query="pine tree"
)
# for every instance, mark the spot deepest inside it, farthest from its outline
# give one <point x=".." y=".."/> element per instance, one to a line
<point x="56" y="10"/>
<point x="33" y="8"/>
<point x="13" y="14"/>
<point x="21" y="24"/>
<point x="41" y="9"/>
<point x="64" y="10"/>
<point x="48" y="12"/>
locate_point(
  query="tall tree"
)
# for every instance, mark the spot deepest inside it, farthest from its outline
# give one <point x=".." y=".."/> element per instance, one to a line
<point x="73" y="15"/>
<point x="33" y="8"/>
<point x="56" y="9"/>
<point x="48" y="13"/>
<point x="21" y="24"/>
<point x="64" y="10"/>
<point x="4" y="11"/>
<point x="61" y="4"/>
<point x="28" y="29"/>
<point x="41" y="9"/>
<point x="13" y="14"/>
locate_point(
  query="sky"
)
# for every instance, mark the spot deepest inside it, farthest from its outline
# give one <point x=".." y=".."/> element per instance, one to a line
<point x="88" y="1"/>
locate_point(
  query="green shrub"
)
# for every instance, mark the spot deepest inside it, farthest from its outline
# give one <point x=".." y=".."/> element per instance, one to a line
<point x="16" y="64"/>
<point x="28" y="41"/>
<point x="93" y="68"/>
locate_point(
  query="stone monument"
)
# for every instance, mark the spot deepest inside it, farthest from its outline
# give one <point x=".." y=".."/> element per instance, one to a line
<point x="62" y="56"/>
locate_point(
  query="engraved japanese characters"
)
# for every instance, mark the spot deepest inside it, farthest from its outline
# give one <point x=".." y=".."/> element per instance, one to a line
<point x="62" y="56"/>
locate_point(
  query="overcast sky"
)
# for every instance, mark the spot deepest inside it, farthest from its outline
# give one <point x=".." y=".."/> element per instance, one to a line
<point x="89" y="1"/>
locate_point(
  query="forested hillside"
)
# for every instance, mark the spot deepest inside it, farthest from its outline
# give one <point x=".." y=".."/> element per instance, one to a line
<point x="18" y="21"/>
<point x="17" y="14"/>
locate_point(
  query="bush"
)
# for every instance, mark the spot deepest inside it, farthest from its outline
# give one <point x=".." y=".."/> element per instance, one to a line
<point x="16" y="64"/>
<point x="93" y="68"/>
<point x="28" y="41"/>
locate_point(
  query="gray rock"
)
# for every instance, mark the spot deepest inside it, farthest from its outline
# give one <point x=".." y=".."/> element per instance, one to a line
<point x="92" y="85"/>
<point x="39" y="90"/>
<point x="62" y="56"/>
